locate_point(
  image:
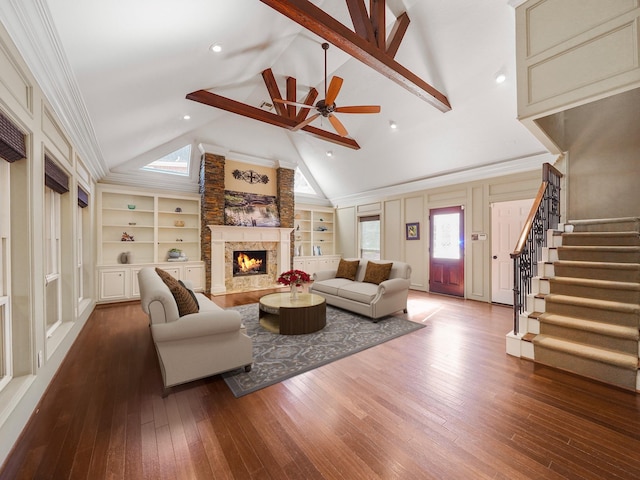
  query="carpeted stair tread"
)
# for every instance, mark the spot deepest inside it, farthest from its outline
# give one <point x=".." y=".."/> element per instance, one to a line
<point x="631" y="308"/>
<point x="595" y="283"/>
<point x="600" y="253"/>
<point x="622" y="360"/>
<point x="621" y="224"/>
<point x="628" y="292"/>
<point x="600" y="238"/>
<point x="608" y="329"/>
<point x="614" y="271"/>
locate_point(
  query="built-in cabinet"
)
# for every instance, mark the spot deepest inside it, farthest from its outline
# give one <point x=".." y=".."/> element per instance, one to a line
<point x="137" y="229"/>
<point x="314" y="239"/>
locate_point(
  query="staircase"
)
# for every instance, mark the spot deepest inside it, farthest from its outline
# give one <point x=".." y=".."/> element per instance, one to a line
<point x="590" y="318"/>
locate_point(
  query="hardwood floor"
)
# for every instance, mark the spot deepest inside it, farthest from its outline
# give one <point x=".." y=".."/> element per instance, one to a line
<point x="444" y="402"/>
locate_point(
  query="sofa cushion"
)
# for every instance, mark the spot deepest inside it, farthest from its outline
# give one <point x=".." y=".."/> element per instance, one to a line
<point x="331" y="286"/>
<point x="184" y="300"/>
<point x="347" y="269"/>
<point x="186" y="303"/>
<point x="193" y="295"/>
<point x="359" y="292"/>
<point x="377" y="272"/>
<point x="167" y="278"/>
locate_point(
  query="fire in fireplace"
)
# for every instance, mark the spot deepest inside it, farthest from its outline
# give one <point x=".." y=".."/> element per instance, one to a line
<point x="249" y="262"/>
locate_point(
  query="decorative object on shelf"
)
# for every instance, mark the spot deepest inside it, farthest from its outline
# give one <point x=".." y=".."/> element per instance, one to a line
<point x="316" y="250"/>
<point x="126" y="237"/>
<point x="174" y="253"/>
<point x="179" y="223"/>
<point x="131" y="206"/>
<point x="178" y="209"/>
<point x="132" y="223"/>
<point x="178" y="239"/>
<point x="125" y="257"/>
<point x="294" y="279"/>
<point x="321" y="228"/>
<point x="250" y="176"/>
<point x="413" y="231"/>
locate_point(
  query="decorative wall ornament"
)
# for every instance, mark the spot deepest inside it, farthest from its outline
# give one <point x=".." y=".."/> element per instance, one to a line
<point x="250" y="176"/>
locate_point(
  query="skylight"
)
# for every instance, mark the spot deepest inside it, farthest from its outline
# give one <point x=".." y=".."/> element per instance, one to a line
<point x="174" y="163"/>
<point x="301" y="185"/>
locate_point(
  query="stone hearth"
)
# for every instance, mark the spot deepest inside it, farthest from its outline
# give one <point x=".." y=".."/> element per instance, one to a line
<point x="226" y="239"/>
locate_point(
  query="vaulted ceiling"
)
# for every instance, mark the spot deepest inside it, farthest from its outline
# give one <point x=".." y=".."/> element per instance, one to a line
<point x="130" y="65"/>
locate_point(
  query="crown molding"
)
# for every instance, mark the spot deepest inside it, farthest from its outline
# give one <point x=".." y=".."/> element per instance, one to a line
<point x="31" y="27"/>
<point x="497" y="169"/>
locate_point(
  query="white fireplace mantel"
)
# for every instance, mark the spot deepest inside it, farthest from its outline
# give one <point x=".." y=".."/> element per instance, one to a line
<point x="221" y="234"/>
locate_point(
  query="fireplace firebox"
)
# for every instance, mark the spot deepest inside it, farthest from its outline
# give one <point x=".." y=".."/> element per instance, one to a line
<point x="249" y="262"/>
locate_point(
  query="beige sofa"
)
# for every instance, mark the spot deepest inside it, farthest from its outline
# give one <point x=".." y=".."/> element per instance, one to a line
<point x="196" y="345"/>
<point x="369" y="299"/>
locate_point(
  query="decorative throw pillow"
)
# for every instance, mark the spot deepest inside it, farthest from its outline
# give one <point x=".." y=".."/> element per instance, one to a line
<point x="186" y="303"/>
<point x="347" y="269"/>
<point x="167" y="278"/>
<point x="377" y="272"/>
<point x="193" y="295"/>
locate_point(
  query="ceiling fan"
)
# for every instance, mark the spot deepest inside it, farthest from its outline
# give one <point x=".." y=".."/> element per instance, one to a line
<point x="327" y="107"/>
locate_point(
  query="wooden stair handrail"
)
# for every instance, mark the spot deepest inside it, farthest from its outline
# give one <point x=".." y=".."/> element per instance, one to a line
<point x="547" y="170"/>
<point x="528" y="224"/>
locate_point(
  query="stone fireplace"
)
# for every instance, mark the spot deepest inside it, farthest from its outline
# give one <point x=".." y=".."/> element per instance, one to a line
<point x="228" y="241"/>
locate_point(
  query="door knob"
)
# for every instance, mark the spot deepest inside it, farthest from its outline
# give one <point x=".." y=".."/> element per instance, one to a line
<point x="495" y="257"/>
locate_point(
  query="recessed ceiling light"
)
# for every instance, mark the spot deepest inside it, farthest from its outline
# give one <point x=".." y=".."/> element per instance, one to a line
<point x="500" y="77"/>
<point x="329" y="153"/>
<point x="393" y="125"/>
<point x="216" y="47"/>
<point x="187" y="117"/>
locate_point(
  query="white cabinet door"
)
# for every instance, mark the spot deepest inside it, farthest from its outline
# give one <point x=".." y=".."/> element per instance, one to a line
<point x="113" y="284"/>
<point x="135" y="286"/>
<point x="195" y="275"/>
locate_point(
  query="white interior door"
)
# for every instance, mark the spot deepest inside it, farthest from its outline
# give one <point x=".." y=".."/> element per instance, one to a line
<point x="507" y="220"/>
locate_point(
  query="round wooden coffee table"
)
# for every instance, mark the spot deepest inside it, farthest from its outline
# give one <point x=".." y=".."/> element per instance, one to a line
<point x="278" y="313"/>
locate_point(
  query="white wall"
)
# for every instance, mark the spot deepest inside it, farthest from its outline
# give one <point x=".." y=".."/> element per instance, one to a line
<point x="36" y="356"/>
<point x="476" y="197"/>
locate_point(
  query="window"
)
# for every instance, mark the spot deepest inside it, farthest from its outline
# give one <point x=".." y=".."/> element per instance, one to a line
<point x="6" y="369"/>
<point x="370" y="237"/>
<point x="301" y="184"/>
<point x="175" y="163"/>
<point x="53" y="290"/>
<point x="80" y="254"/>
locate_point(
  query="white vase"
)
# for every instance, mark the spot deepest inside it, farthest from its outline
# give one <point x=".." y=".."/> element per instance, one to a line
<point x="293" y="292"/>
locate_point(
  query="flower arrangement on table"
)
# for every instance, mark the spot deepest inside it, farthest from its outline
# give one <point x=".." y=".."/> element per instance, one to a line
<point x="293" y="279"/>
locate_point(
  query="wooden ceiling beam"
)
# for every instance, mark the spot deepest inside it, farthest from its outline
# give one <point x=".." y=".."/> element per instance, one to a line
<point x="214" y="100"/>
<point x="311" y="97"/>
<point x="378" y="21"/>
<point x="325" y="26"/>
<point x="274" y="92"/>
<point x="360" y="18"/>
<point x="291" y="96"/>
<point x="397" y="34"/>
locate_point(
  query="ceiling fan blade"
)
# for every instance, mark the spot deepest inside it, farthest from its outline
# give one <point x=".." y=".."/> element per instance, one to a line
<point x="305" y="123"/>
<point x="337" y="124"/>
<point x="334" y="89"/>
<point x="297" y="104"/>
<point x="359" y="109"/>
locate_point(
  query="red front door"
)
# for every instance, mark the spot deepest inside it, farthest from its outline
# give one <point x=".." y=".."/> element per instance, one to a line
<point x="446" y="251"/>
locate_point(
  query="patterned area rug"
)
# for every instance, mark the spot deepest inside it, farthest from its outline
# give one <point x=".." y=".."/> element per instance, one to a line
<point x="278" y="357"/>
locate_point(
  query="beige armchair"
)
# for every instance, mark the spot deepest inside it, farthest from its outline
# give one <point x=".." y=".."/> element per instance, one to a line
<point x="196" y="345"/>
